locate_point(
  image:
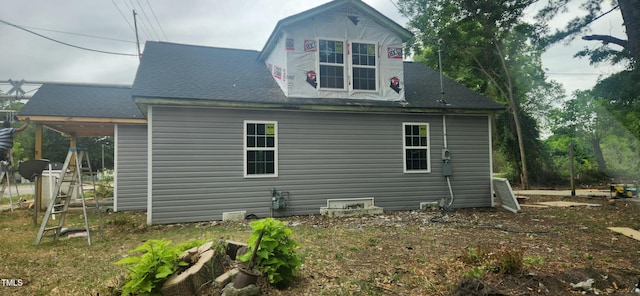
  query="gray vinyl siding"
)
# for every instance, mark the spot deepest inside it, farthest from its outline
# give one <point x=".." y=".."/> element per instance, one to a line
<point x="197" y="162"/>
<point x="131" y="158"/>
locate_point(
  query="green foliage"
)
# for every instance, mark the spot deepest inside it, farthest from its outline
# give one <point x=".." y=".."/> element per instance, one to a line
<point x="500" y="261"/>
<point x="276" y="257"/>
<point x="489" y="47"/>
<point x="535" y="260"/>
<point x="104" y="189"/>
<point x="149" y="270"/>
<point x="606" y="143"/>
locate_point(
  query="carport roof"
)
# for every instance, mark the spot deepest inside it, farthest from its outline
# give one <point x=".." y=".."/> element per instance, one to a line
<point x="82" y="110"/>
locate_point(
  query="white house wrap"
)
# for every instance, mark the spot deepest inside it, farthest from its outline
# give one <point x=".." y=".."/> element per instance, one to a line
<point x="341" y="53"/>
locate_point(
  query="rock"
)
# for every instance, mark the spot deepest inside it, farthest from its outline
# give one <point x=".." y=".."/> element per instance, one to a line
<point x="250" y="290"/>
<point x="583" y="286"/>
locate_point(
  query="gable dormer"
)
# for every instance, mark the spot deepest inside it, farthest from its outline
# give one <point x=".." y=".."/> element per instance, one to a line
<point x="342" y="49"/>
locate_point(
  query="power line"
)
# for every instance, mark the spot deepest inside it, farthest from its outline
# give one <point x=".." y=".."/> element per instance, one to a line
<point x="64" y="43"/>
<point x="156" y="18"/>
<point x="122" y="14"/>
<point x="79" y="34"/>
<point x="140" y="24"/>
<point x="144" y="13"/>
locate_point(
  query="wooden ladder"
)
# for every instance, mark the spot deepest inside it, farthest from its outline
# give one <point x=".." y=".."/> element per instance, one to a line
<point x="68" y="186"/>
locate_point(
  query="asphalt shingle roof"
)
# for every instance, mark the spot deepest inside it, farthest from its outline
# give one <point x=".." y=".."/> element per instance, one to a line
<point x="82" y="100"/>
<point x="179" y="71"/>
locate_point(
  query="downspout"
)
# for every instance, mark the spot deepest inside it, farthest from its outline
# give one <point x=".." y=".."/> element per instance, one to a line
<point x="444" y="122"/>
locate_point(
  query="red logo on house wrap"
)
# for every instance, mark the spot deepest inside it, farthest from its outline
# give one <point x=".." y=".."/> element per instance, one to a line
<point x="394" y="52"/>
<point x="310" y="46"/>
<point x="311" y="75"/>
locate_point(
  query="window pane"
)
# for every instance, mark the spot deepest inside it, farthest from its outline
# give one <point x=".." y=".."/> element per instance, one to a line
<point x="364" y="54"/>
<point x="331" y="52"/>
<point x="261" y="142"/>
<point x="416" y="159"/>
<point x="271" y="142"/>
<point x="331" y="77"/>
<point x="364" y="78"/>
<point x="251" y="129"/>
<point x="260" y="129"/>
<point x="269" y="156"/>
<point x="251" y="156"/>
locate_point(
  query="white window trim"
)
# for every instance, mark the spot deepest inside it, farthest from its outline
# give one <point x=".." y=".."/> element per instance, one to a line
<point x="345" y="65"/>
<point x="245" y="149"/>
<point x="405" y="147"/>
<point x="351" y="65"/>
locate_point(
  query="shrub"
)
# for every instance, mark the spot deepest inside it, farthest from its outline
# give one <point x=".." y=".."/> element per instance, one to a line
<point x="500" y="261"/>
<point x="148" y="271"/>
<point x="276" y="257"/>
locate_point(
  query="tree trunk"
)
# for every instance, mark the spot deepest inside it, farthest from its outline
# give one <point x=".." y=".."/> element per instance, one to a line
<point x="524" y="177"/>
<point x="630" y="11"/>
<point x="595" y="143"/>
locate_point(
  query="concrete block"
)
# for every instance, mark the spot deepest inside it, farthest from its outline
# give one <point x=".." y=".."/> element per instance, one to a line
<point x="234" y="216"/>
<point x="351" y="212"/>
<point x="225" y="278"/>
<point x="429" y="205"/>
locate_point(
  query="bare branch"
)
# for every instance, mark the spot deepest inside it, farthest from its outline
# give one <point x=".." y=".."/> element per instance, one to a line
<point x="606" y="39"/>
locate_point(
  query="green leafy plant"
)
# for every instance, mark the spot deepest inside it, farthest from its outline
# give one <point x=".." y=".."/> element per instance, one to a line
<point x="276" y="257"/>
<point x="499" y="261"/>
<point x="149" y="270"/>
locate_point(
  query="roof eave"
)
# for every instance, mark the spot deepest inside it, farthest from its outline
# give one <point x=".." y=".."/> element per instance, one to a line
<point x="144" y="102"/>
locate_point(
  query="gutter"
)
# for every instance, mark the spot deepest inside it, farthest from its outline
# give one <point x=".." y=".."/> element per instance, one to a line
<point x="144" y="102"/>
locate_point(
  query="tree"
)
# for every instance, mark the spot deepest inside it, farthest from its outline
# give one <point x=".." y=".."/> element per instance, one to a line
<point x="491" y="50"/>
<point x="584" y="117"/>
<point x="630" y="11"/>
<point x="56" y="146"/>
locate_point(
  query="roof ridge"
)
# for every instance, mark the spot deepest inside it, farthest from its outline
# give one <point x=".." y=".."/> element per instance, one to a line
<point x="89" y="84"/>
<point x="202" y="46"/>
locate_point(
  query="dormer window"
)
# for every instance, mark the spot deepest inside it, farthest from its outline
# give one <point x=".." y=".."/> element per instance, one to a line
<point x="331" y="64"/>
<point x="361" y="68"/>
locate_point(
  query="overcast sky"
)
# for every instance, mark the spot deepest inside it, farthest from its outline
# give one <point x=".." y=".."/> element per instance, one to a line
<point x="234" y="24"/>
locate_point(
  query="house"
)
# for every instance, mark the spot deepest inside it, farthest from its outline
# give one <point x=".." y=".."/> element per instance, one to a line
<point x="327" y="110"/>
<point x="96" y="110"/>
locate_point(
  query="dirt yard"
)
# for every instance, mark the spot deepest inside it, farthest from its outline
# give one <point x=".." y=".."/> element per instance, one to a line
<point x="427" y="253"/>
<point x="490" y="251"/>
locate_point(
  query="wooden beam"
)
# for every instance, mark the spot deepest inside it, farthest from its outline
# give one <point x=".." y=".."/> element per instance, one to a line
<point x="38" y="155"/>
<point x="85" y="119"/>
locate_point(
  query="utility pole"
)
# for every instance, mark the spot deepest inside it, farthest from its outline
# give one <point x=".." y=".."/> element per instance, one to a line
<point x="572" y="170"/>
<point x="135" y="25"/>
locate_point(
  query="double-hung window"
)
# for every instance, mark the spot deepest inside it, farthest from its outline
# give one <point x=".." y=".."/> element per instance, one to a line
<point x="331" y="57"/>
<point x="363" y="66"/>
<point x="359" y="71"/>
<point x="416" y="148"/>
<point x="261" y="149"/>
